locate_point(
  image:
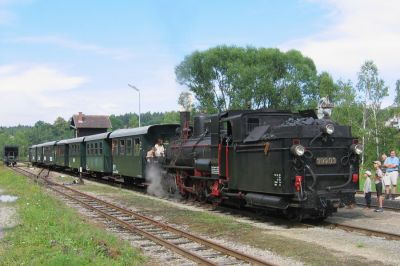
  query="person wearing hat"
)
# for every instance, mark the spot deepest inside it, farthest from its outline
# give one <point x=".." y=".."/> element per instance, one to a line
<point x="367" y="188"/>
<point x="378" y="185"/>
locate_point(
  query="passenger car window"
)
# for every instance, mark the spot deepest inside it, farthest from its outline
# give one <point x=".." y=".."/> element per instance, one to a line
<point x="121" y="147"/>
<point x="136" y="147"/>
<point x="100" y="148"/>
<point x="114" y="147"/>
<point x="128" y="146"/>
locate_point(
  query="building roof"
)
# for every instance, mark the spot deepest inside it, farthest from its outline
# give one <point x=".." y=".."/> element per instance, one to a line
<point x="90" y="121"/>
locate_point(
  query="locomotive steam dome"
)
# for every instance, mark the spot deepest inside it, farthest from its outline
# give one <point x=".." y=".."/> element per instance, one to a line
<point x="201" y="123"/>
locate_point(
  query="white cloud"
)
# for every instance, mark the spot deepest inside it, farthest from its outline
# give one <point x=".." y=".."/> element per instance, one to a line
<point x="35" y="79"/>
<point x="29" y="92"/>
<point x="357" y="31"/>
<point x="40" y="92"/>
<point x="118" y="54"/>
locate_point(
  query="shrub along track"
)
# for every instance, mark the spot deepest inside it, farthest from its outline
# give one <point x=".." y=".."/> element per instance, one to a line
<point x="192" y="247"/>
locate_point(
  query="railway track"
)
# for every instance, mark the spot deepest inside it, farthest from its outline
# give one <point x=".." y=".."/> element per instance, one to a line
<point x="366" y="231"/>
<point x="189" y="246"/>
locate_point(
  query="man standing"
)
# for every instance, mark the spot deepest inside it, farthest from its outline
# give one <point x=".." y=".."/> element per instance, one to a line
<point x="392" y="173"/>
<point x="159" y="152"/>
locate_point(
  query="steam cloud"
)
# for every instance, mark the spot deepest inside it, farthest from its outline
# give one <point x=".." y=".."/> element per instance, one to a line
<point x="154" y="178"/>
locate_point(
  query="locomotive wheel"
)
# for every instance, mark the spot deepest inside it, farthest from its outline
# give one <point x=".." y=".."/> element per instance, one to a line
<point x="169" y="185"/>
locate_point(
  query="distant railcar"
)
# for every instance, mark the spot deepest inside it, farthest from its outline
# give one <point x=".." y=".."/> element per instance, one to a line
<point x="10" y="155"/>
<point x="32" y="154"/>
<point x="48" y="151"/>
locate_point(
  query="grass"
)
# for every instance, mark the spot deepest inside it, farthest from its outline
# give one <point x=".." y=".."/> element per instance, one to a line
<point x="49" y="233"/>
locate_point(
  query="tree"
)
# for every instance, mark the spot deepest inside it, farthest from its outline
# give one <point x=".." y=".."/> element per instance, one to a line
<point x="228" y="77"/>
<point x="327" y="87"/>
<point x="397" y="97"/>
<point x="373" y="89"/>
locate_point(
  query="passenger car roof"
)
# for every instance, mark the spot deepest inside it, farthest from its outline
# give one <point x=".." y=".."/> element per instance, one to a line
<point x="136" y="131"/>
<point x="70" y="141"/>
<point x="97" y="136"/>
<point x="49" y="143"/>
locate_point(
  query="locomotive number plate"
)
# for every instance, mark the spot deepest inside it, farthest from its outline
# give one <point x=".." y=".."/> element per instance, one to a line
<point x="325" y="160"/>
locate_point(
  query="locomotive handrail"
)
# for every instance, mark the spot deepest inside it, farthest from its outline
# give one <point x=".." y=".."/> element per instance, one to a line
<point x="345" y="184"/>
<point x="313" y="176"/>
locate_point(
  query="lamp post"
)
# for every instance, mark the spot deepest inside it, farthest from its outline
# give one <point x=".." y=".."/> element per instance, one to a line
<point x="136" y="89"/>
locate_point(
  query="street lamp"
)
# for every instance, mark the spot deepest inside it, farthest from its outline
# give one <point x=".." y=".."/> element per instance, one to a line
<point x="136" y="89"/>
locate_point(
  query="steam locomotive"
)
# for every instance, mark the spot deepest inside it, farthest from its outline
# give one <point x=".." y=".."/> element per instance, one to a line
<point x="294" y="163"/>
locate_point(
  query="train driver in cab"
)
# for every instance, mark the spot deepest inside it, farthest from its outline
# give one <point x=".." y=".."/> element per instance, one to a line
<point x="159" y="152"/>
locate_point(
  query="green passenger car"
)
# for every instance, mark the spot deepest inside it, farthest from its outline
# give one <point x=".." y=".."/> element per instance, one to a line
<point x="39" y="153"/>
<point x="32" y="154"/>
<point x="46" y="153"/>
<point x="76" y="154"/>
<point x="98" y="154"/>
<point x="61" y="152"/>
<point x="129" y="148"/>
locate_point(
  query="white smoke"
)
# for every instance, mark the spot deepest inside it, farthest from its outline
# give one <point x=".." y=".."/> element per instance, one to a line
<point x="154" y="177"/>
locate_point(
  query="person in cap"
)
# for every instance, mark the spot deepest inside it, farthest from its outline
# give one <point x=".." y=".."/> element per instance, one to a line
<point x="378" y="185"/>
<point x="367" y="189"/>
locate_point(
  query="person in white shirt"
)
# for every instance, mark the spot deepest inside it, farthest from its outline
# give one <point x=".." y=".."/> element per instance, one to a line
<point x="367" y="188"/>
<point x="159" y="152"/>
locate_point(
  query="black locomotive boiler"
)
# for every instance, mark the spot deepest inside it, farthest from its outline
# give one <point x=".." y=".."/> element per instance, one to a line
<point x="293" y="163"/>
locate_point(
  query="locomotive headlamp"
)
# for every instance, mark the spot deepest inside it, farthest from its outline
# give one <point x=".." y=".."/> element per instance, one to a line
<point x="298" y="150"/>
<point x="329" y="129"/>
<point x="357" y="148"/>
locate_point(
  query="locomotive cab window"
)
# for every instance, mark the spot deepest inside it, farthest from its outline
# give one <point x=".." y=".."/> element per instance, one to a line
<point x="252" y="123"/>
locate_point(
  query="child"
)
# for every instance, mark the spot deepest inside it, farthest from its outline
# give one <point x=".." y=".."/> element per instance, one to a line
<point x="378" y="185"/>
<point x="367" y="188"/>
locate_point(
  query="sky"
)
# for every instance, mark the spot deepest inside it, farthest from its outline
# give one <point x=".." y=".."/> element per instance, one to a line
<point x="58" y="58"/>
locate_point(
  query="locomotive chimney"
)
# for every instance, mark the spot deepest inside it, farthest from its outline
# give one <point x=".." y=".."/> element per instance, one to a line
<point x="185" y="119"/>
